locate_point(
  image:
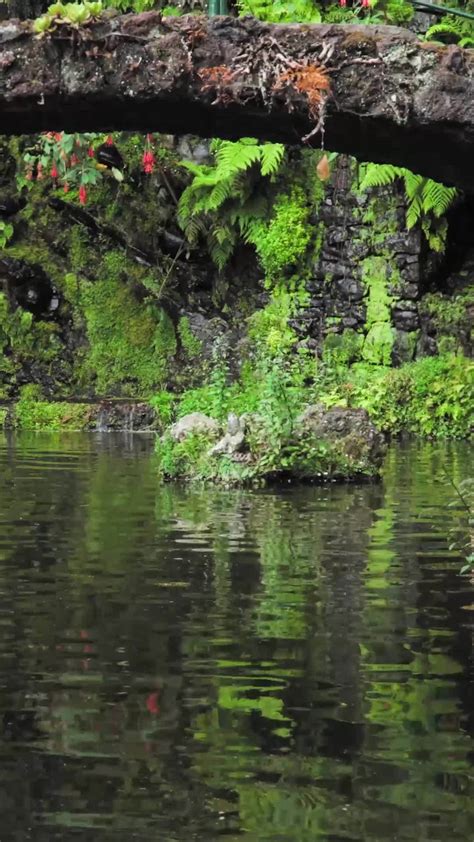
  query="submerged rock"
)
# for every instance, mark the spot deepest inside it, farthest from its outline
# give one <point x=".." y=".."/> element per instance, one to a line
<point x="192" y="424"/>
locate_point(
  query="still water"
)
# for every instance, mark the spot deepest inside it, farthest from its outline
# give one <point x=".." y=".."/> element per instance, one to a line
<point x="197" y="664"/>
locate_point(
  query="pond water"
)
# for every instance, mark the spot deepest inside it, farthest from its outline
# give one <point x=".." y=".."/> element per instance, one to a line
<point x="189" y="664"/>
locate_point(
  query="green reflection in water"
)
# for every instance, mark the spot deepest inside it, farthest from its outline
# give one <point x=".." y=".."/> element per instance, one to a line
<point x="285" y="664"/>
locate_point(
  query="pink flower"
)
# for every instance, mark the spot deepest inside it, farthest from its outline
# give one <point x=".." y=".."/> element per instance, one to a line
<point x="39" y="172"/>
<point x="148" y="161"/>
<point x="66" y="187"/>
<point x="90" y="152"/>
<point x="82" y="195"/>
<point x="54" y="171"/>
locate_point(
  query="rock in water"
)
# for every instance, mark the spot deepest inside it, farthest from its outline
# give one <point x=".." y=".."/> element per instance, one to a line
<point x="234" y="439"/>
<point x="350" y="432"/>
<point x="194" y="423"/>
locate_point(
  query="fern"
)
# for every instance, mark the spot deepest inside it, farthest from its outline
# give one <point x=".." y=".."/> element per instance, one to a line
<point x="427" y="200"/>
<point x="220" y="203"/>
<point x="452" y="29"/>
<point x="380" y="175"/>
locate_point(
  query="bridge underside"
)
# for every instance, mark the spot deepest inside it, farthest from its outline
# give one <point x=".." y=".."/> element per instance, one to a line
<point x="371" y="91"/>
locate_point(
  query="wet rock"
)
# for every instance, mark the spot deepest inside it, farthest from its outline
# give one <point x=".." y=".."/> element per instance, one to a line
<point x="194" y="423"/>
<point x="351" y="288"/>
<point x="206" y="331"/>
<point x="405" y="316"/>
<point x="426" y="346"/>
<point x="350" y="431"/>
<point x="27" y="285"/>
<point x="131" y="417"/>
<point x="234" y="439"/>
<point x="404" y="347"/>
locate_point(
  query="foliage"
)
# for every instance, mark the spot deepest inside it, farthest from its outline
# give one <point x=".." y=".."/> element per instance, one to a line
<point x="433" y="396"/>
<point x="271" y="403"/>
<point x="222" y="201"/>
<point x="428" y="200"/>
<point x="281" y="244"/>
<point x="191" y="345"/>
<point x="463" y="534"/>
<point x="69" y="14"/>
<point x="281" y="11"/>
<point x="130" y="343"/>
<point x="6" y="233"/>
<point x="33" y="414"/>
<point x="452" y="30"/>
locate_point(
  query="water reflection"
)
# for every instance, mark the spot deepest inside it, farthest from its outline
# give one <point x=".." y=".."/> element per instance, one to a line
<point x="184" y="664"/>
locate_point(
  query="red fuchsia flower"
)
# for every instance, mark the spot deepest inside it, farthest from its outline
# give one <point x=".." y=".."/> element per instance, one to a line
<point x="91" y="152"/>
<point x="82" y="195"/>
<point x="152" y="703"/>
<point x="74" y="160"/>
<point x="39" y="172"/>
<point x="66" y="187"/>
<point x="148" y="161"/>
<point x="343" y="3"/>
<point x="365" y="4"/>
<point x="54" y="171"/>
<point x="110" y="140"/>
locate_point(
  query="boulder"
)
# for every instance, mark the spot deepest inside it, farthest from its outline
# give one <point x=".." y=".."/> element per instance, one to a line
<point x="194" y="423"/>
<point x="350" y="431"/>
<point x="234" y="439"/>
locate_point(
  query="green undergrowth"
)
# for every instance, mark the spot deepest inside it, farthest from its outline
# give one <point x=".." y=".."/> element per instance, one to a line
<point x="432" y="397"/>
<point x="32" y="412"/>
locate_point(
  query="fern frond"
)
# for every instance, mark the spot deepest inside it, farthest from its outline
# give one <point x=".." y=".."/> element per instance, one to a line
<point x="452" y="29"/>
<point x="232" y="158"/>
<point x="414" y="211"/>
<point x="221" y="191"/>
<point x="380" y="175"/>
<point x="221" y="242"/>
<point x="437" y="197"/>
<point x="413" y="183"/>
<point x="271" y="157"/>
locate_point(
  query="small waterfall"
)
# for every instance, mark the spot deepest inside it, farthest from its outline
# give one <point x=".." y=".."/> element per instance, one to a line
<point x="130" y="418"/>
<point x="102" y="425"/>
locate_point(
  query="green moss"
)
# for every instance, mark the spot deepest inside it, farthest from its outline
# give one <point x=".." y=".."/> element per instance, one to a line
<point x="378" y="344"/>
<point x="433" y="396"/>
<point x="191" y="345"/>
<point x="343" y="348"/>
<point x="3" y="417"/>
<point x="269" y="327"/>
<point x="131" y="342"/>
<point x="380" y="336"/>
<point x="24" y="341"/>
<point x="41" y="415"/>
<point x="283" y="243"/>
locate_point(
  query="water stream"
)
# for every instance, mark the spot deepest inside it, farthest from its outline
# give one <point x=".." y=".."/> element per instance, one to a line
<point x="189" y="664"/>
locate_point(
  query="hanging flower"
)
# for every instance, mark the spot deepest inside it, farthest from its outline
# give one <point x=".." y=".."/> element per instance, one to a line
<point x="54" y="171"/>
<point x="148" y="161"/>
<point x="39" y="172"/>
<point x="66" y="187"/>
<point x="74" y="160"/>
<point x="365" y="4"/>
<point x="343" y="3"/>
<point x="110" y="140"/>
<point x="82" y="195"/>
<point x="29" y="175"/>
<point x="91" y="152"/>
